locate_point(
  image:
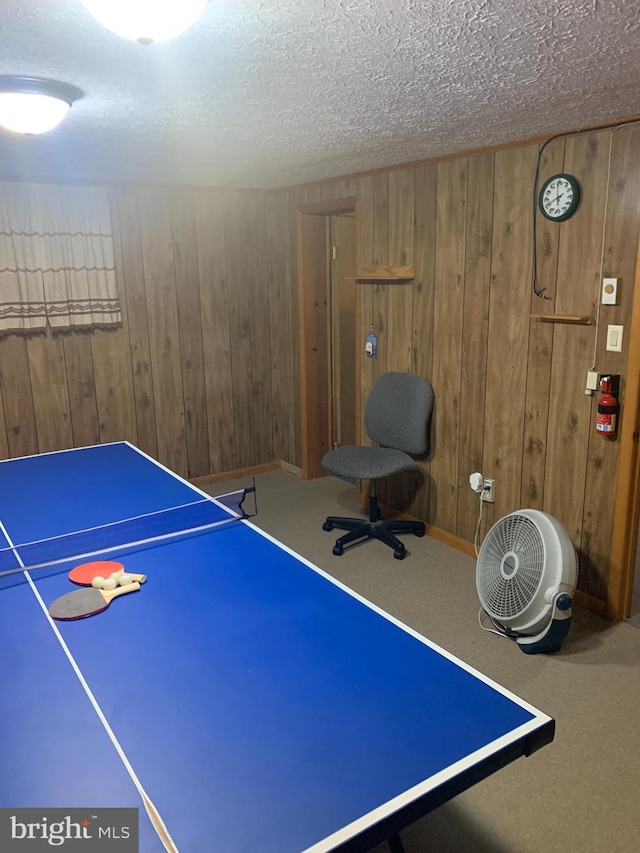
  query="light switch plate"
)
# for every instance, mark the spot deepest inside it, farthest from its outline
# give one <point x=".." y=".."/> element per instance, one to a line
<point x="614" y="338"/>
<point x="609" y="291"/>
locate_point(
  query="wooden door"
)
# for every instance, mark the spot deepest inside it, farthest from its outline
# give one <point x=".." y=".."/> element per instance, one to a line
<point x="343" y="329"/>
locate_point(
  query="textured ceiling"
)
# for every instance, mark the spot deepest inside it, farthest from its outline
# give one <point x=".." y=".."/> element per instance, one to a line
<point x="269" y="93"/>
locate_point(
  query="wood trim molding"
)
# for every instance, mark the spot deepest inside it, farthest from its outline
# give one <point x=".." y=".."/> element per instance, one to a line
<point x="433" y="532"/>
<point x="451" y="540"/>
<point x="235" y="475"/>
<point x="314" y="274"/>
<point x="575" y="319"/>
<point x="590" y="603"/>
<point x="265" y="468"/>
<point x="290" y="469"/>
<point x="627" y="505"/>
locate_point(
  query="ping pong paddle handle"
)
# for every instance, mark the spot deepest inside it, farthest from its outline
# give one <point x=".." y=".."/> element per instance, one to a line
<point x="110" y="594"/>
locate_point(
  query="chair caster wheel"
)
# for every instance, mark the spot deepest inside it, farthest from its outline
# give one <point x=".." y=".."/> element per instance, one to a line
<point x="327" y="526"/>
<point x="399" y="553"/>
<point x="419" y="531"/>
<point x="338" y="550"/>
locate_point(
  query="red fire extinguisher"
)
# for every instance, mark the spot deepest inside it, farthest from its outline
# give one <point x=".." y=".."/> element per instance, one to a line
<point x="607" y="420"/>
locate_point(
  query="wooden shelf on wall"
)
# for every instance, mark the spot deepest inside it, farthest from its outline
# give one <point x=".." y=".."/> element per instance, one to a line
<point x="573" y="319"/>
<point x="385" y="273"/>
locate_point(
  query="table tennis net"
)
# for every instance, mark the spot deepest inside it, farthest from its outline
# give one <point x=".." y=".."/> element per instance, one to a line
<point x="154" y="527"/>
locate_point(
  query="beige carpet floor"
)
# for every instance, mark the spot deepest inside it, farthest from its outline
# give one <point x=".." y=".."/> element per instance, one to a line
<point x="580" y="793"/>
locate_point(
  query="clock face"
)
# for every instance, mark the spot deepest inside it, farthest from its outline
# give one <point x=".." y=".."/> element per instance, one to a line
<point x="559" y="197"/>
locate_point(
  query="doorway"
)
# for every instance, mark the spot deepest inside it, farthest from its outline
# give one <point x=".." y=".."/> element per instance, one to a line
<point x="343" y="298"/>
<point x="329" y="384"/>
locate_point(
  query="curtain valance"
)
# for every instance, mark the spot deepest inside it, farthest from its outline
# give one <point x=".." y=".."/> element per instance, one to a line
<point x="56" y="258"/>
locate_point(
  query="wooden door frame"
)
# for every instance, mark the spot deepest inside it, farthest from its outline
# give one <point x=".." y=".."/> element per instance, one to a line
<point x="314" y="322"/>
<point x="626" y="519"/>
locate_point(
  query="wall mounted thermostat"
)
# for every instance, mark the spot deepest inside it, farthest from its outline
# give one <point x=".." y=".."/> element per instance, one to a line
<point x="609" y="291"/>
<point x="371" y="345"/>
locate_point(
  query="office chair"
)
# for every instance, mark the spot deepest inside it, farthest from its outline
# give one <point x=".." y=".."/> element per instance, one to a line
<point x="396" y="417"/>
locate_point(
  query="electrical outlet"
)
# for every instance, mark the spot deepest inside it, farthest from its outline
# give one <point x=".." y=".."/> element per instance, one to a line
<point x="488" y="492"/>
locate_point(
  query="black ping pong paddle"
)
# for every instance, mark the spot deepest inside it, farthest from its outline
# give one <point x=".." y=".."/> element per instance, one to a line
<point x="86" y="602"/>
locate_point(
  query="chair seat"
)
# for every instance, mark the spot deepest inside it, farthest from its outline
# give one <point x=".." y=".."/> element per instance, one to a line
<point x="367" y="463"/>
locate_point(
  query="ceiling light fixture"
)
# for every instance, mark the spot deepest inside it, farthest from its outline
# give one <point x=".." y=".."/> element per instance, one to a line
<point x="146" y="21"/>
<point x="30" y="105"/>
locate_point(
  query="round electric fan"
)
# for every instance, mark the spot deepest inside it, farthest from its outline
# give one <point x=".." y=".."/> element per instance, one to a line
<point x="526" y="576"/>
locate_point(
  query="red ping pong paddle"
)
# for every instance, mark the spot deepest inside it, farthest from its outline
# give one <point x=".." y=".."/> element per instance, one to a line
<point x="84" y="574"/>
<point x="86" y="602"/>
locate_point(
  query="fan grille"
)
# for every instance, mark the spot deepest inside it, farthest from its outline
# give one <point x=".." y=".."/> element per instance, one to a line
<point x="511" y="564"/>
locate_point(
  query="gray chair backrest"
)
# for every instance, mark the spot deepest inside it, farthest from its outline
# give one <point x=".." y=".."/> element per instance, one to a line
<point x="398" y="411"/>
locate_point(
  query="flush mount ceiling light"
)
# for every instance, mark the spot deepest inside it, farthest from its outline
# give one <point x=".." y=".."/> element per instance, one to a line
<point x="30" y="105"/>
<point x="146" y="21"/>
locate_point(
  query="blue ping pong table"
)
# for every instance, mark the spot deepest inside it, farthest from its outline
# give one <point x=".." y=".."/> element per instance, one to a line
<point x="243" y="700"/>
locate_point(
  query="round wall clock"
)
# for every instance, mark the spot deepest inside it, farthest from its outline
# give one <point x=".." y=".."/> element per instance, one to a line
<point x="559" y="197"/>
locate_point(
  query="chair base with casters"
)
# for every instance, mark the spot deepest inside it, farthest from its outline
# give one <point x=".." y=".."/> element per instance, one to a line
<point x="375" y="528"/>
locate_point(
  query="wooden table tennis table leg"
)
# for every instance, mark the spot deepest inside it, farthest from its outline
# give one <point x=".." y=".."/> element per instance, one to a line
<point x="395" y="844"/>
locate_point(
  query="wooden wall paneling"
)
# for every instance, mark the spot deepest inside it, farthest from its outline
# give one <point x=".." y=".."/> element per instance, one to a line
<point x="527" y="425"/>
<point x="309" y="194"/>
<point x="113" y="382"/>
<point x="48" y="375"/>
<point x="620" y="244"/>
<point x="364" y="310"/>
<point x="4" y="443"/>
<point x="83" y="409"/>
<point x="135" y="341"/>
<point x="400" y="302"/>
<point x="425" y="199"/>
<point x="298" y="196"/>
<point x="401" y="252"/>
<point x="447" y="341"/>
<point x="185" y="265"/>
<point x="114" y="386"/>
<point x="508" y="326"/>
<point x="475" y="324"/>
<point x="215" y="330"/>
<point x="577" y="292"/>
<point x="111" y="351"/>
<point x="365" y="255"/>
<point x="164" y="332"/>
<point x="541" y="341"/>
<point x="260" y="318"/>
<point x="16" y="413"/>
<point x="623" y="561"/>
<point x="283" y="328"/>
<point x="344" y="337"/>
<point x="340" y="189"/>
<point x="381" y="289"/>
<point x="238" y="297"/>
<point x="381" y="258"/>
<point x="346" y="188"/>
<point x="312" y="237"/>
<point x="327" y="190"/>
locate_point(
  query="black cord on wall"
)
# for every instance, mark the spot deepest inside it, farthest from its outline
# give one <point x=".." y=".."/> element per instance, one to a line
<point x="540" y="291"/>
